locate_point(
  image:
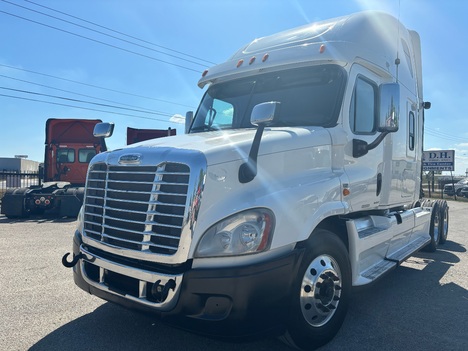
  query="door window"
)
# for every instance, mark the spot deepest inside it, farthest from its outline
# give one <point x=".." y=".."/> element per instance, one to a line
<point x="85" y="155"/>
<point x="65" y="155"/>
<point x="411" y="130"/>
<point x="363" y="107"/>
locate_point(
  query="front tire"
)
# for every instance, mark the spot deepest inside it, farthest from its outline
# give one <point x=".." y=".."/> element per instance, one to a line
<point x="320" y="293"/>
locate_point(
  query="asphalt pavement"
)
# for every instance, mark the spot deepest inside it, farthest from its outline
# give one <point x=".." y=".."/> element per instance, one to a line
<point x="422" y="305"/>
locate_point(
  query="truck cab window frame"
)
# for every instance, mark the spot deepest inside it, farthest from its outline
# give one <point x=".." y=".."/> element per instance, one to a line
<point x="363" y="107"/>
<point x="309" y="96"/>
<point x="85" y="155"/>
<point x="65" y="155"/>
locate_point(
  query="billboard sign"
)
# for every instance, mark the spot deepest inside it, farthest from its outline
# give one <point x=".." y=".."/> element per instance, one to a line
<point x="439" y="160"/>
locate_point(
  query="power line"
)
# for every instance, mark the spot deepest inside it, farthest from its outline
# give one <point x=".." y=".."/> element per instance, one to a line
<point x="86" y="108"/>
<point x="443" y="135"/>
<point x="85" y="102"/>
<point x="100" y="42"/>
<point x="121" y="33"/>
<point x="95" y="86"/>
<point x="72" y="92"/>
<point x="108" y="35"/>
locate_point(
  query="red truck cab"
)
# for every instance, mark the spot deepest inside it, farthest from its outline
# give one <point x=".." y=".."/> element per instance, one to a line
<point x="69" y="147"/>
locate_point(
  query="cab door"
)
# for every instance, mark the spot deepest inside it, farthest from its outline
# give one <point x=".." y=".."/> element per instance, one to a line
<point x="365" y="173"/>
<point x="73" y="162"/>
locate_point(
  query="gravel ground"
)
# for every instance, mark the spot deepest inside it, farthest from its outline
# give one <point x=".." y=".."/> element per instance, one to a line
<point x="423" y="305"/>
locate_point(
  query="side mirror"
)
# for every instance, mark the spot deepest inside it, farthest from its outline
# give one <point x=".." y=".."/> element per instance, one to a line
<point x="103" y="130"/>
<point x="389" y="113"/>
<point x="262" y="115"/>
<point x="265" y="113"/>
<point x="188" y="121"/>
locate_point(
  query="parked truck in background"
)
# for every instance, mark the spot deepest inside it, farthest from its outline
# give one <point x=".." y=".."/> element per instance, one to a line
<point x="299" y="178"/>
<point x="69" y="146"/>
<point x="457" y="188"/>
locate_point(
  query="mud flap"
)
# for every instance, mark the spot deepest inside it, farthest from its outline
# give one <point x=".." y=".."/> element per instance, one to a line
<point x="69" y="206"/>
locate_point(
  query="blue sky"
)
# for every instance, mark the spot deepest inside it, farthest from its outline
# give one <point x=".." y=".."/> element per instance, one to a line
<point x="146" y="68"/>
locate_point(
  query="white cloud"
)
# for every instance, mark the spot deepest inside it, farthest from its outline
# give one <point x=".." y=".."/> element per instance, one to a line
<point x="177" y="119"/>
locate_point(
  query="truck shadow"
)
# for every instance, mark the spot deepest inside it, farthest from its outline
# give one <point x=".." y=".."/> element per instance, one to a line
<point x="410" y="309"/>
<point x="111" y="327"/>
<point x="418" y="306"/>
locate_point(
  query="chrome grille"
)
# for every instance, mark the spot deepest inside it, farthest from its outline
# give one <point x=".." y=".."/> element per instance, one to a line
<point x="139" y="208"/>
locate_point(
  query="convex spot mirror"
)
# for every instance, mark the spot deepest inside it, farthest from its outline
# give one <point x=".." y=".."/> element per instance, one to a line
<point x="103" y="130"/>
<point x="265" y="113"/>
<point x="389" y="113"/>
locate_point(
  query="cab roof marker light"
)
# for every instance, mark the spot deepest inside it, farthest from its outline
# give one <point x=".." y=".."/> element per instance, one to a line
<point x="239" y="63"/>
<point x="252" y="60"/>
<point x="205" y="72"/>
<point x="322" y="49"/>
<point x="265" y="57"/>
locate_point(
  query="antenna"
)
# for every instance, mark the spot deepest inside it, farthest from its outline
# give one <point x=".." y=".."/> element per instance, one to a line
<point x="397" y="60"/>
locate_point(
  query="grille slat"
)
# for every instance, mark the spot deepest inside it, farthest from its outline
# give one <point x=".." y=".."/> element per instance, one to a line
<point x="127" y="220"/>
<point x="133" y="242"/>
<point x="126" y="205"/>
<point x="165" y="214"/>
<point x="111" y="181"/>
<point x="121" y="210"/>
<point x="126" y="200"/>
<point x="93" y="232"/>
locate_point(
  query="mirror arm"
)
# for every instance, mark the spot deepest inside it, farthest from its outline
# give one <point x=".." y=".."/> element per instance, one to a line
<point x="361" y="147"/>
<point x="377" y="141"/>
<point x="248" y="170"/>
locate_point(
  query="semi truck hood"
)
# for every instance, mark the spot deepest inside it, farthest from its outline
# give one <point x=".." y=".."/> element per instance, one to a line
<point x="231" y="145"/>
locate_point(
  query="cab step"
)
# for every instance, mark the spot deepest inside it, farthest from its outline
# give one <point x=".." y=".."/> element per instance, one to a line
<point x="379" y="269"/>
<point x="406" y="251"/>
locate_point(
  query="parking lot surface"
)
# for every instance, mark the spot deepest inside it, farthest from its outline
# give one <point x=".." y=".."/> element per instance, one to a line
<point x="422" y="305"/>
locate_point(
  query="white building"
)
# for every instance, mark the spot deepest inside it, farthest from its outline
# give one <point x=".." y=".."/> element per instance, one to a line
<point x="16" y="164"/>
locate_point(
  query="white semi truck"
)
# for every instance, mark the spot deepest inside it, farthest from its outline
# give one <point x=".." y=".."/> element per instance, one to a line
<point x="298" y="179"/>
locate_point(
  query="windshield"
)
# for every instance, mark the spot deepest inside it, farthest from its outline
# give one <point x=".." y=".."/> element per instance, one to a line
<point x="308" y="96"/>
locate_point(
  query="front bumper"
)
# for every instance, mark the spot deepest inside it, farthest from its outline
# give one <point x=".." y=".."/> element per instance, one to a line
<point x="224" y="302"/>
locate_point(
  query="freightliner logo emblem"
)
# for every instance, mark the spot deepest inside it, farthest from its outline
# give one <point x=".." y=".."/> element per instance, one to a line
<point x="130" y="159"/>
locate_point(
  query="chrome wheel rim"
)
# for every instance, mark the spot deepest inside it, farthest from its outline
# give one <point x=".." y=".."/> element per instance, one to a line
<point x="436" y="226"/>
<point x="320" y="290"/>
<point x="445" y="221"/>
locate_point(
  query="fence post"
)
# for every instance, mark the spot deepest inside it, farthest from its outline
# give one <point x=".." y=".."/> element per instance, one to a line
<point x="13" y="181"/>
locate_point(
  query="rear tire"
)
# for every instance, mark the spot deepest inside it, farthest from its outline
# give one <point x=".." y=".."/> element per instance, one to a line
<point x="320" y="293"/>
<point x="435" y="227"/>
<point x="444" y="221"/>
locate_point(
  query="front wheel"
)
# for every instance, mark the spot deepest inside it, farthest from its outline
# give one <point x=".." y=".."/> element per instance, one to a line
<point x="320" y="293"/>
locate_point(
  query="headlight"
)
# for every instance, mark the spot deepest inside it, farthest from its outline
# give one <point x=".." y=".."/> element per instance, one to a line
<point x="243" y="233"/>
